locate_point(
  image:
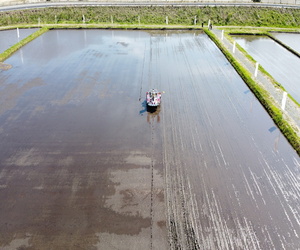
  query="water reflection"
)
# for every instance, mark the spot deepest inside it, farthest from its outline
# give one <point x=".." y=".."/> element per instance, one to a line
<point x="18" y="34"/>
<point x="252" y="100"/>
<point x="144" y="106"/>
<point x="21" y="55"/>
<point x="276" y="141"/>
<point x="85" y="38"/>
<point x="152" y="112"/>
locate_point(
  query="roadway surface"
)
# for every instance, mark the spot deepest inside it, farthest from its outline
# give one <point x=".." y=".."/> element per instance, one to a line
<point x="82" y="3"/>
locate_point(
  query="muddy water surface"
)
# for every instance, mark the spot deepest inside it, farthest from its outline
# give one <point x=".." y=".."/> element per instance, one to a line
<point x="77" y="153"/>
<point x="279" y="62"/>
<point x="83" y="165"/>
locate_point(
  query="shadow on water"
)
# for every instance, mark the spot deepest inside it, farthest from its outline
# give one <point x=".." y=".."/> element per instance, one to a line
<point x="144" y="106"/>
<point x="152" y="112"/>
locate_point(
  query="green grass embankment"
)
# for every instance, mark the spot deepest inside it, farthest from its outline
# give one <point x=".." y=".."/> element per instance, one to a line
<point x="156" y="15"/>
<point x="262" y="95"/>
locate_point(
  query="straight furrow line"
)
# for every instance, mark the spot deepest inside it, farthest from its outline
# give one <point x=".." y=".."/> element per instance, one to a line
<point x="268" y="239"/>
<point x="236" y="194"/>
<point x="248" y="189"/>
<point x="285" y="195"/>
<point x="221" y="152"/>
<point x="294" y="180"/>
<point x="152" y="185"/>
<point x="216" y="155"/>
<point x="270" y="182"/>
<point x="252" y="235"/>
<point x="257" y="185"/>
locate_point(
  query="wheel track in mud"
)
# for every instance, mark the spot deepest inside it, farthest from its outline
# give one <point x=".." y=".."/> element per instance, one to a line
<point x="192" y="166"/>
<point x="152" y="183"/>
<point x="181" y="207"/>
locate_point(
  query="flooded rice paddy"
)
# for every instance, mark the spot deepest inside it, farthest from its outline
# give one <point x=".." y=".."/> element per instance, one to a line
<point x="275" y="59"/>
<point x="83" y="165"/>
<point x="290" y="39"/>
<point x="10" y="37"/>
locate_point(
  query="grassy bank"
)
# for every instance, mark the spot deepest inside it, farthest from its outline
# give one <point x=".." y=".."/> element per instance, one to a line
<point x="219" y="15"/>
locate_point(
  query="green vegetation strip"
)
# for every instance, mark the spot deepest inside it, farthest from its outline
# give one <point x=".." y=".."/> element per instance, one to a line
<point x="262" y="95"/>
<point x="177" y="15"/>
<point x="7" y="53"/>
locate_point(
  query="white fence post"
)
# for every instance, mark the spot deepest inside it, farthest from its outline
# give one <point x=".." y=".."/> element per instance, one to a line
<point x="256" y="69"/>
<point x="283" y="100"/>
<point x="233" y="49"/>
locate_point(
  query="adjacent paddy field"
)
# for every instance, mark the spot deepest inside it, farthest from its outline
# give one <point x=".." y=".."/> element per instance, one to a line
<point x="278" y="61"/>
<point x="84" y="165"/>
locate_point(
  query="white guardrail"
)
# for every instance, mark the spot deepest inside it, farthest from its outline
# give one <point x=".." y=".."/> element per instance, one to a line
<point x="19" y="2"/>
